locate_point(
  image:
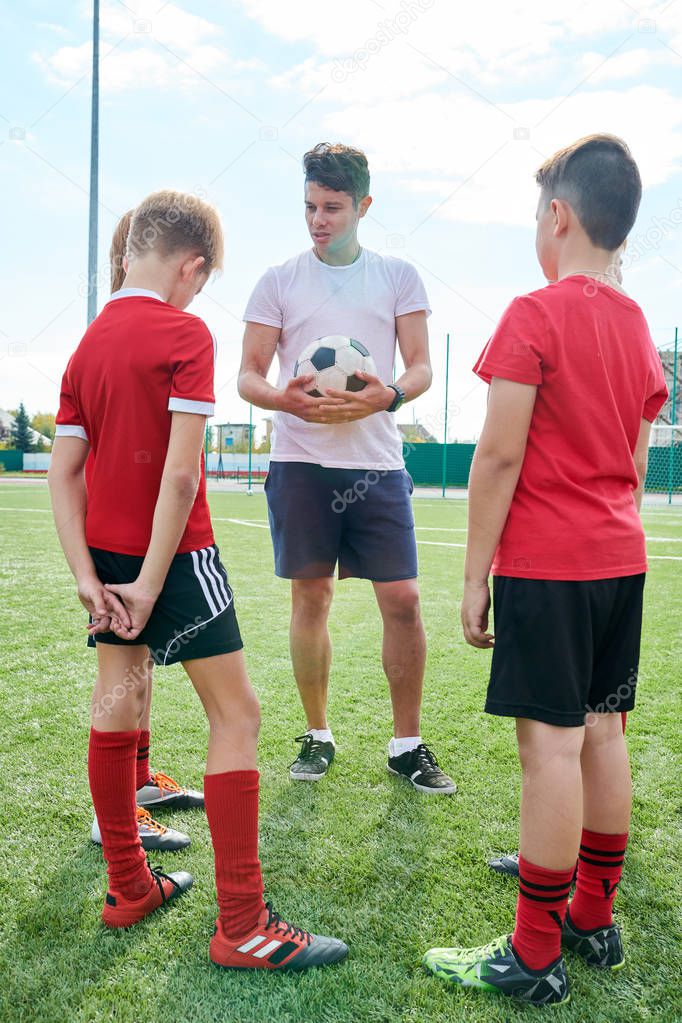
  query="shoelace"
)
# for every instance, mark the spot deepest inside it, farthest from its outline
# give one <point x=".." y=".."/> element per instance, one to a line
<point x="163" y="782"/>
<point x="145" y="819"/>
<point x="159" y="876"/>
<point x="426" y="759"/>
<point x="494" y="948"/>
<point x="284" y="928"/>
<point x="310" y="747"/>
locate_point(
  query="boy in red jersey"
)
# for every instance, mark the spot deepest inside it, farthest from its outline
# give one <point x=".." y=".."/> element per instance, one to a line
<point x="575" y="383"/>
<point x="137" y="392"/>
<point x="153" y="788"/>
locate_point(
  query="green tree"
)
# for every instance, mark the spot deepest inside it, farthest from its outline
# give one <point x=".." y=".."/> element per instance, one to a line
<point x="43" y="423"/>
<point x="21" y="435"/>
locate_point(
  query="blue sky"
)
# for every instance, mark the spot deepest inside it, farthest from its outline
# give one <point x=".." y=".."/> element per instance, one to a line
<point x="455" y="109"/>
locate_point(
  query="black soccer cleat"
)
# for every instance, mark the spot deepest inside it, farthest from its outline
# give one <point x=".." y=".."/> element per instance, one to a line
<point x="602" y="947"/>
<point x="507" y="864"/>
<point x="420" y="767"/>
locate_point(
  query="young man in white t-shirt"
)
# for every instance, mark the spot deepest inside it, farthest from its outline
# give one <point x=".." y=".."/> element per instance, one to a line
<point x="337" y="489"/>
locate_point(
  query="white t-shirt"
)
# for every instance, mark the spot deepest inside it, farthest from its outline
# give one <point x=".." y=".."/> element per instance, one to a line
<point x="309" y="299"/>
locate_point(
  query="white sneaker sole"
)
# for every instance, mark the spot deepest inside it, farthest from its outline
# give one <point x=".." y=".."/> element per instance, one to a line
<point x="306" y="777"/>
<point x="449" y="791"/>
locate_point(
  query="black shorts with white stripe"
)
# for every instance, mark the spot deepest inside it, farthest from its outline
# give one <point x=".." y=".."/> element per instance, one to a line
<point x="194" y="615"/>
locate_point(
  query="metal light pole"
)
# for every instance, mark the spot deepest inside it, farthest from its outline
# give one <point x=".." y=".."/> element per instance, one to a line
<point x="445" y="426"/>
<point x="249" y="490"/>
<point x="94" y="170"/>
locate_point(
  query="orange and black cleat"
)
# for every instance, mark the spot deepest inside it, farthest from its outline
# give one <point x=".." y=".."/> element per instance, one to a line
<point x="273" y="944"/>
<point x="121" y="912"/>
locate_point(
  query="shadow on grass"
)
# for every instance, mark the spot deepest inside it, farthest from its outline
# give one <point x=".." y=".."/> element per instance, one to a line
<point x="57" y="947"/>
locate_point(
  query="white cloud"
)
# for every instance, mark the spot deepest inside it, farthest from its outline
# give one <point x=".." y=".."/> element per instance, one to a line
<point x="154" y="47"/>
<point x="462" y="152"/>
<point x="631" y="64"/>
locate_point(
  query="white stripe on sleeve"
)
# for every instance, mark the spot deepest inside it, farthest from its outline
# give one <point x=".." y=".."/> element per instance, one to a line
<point x="200" y="408"/>
<point x="63" y="430"/>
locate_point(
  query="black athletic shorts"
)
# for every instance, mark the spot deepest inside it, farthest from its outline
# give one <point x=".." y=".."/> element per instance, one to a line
<point x="361" y="518"/>
<point x="194" y="615"/>
<point x="564" y="650"/>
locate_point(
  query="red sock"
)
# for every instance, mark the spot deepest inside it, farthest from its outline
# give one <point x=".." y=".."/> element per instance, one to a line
<point x="111" y="770"/>
<point x="143" y="773"/>
<point x="232" y="810"/>
<point x="540" y="912"/>
<point x="600" y="865"/>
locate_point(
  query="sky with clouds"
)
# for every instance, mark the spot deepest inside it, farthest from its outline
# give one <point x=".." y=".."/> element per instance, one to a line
<point x="456" y="105"/>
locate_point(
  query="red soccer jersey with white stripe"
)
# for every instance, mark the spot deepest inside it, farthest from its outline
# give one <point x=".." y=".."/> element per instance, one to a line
<point x="140" y="360"/>
<point x="588" y="350"/>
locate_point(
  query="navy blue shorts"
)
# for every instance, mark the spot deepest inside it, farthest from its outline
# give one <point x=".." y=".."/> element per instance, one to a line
<point x="360" y="518"/>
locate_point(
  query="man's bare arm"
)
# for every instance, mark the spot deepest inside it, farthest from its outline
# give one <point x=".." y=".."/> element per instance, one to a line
<point x="258" y="351"/>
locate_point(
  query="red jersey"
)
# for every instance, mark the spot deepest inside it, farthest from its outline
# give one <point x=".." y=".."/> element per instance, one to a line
<point x="140" y="360"/>
<point x="589" y="351"/>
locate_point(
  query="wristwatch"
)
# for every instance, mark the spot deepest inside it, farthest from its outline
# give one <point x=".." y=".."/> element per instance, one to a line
<point x="398" y="400"/>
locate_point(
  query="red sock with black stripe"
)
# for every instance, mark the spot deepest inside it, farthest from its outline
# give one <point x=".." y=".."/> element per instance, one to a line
<point x="143" y="774"/>
<point x="231" y="800"/>
<point x="540" y="912"/>
<point x="111" y="771"/>
<point x="600" y="865"/>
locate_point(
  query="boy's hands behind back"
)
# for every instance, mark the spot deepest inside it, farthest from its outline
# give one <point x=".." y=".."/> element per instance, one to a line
<point x="137" y="604"/>
<point x="101" y="605"/>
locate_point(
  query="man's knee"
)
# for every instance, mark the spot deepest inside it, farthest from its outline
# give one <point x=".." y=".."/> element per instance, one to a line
<point x="312" y="598"/>
<point x="399" y="602"/>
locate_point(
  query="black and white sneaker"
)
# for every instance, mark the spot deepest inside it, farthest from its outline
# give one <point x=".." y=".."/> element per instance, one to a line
<point x="420" y="767"/>
<point x="313" y="760"/>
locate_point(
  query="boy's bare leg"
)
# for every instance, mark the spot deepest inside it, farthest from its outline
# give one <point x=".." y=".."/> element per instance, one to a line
<point x="551" y="795"/>
<point x="121" y="689"/>
<point x="607" y="784"/>
<point x="310" y="645"/>
<point x="403" y="652"/>
<point x="146" y="719"/>
<point x="232" y="709"/>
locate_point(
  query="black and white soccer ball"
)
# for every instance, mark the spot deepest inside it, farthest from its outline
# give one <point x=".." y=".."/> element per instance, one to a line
<point x="334" y="361"/>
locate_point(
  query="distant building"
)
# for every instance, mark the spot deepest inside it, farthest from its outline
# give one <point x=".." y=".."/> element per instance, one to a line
<point x="234" y="434"/>
<point x="416" y="432"/>
<point x="667" y="414"/>
<point x="6" y="424"/>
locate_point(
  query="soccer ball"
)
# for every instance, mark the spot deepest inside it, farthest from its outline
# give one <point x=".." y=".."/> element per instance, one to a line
<point x="333" y="361"/>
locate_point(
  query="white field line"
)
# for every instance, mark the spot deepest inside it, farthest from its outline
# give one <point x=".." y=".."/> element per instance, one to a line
<point x="428" y="543"/>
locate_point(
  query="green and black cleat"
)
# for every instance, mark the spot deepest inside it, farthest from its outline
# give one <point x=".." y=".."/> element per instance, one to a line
<point x="495" y="967"/>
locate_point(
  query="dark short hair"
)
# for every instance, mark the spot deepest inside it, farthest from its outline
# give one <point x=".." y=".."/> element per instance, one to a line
<point x="598" y="176"/>
<point x="339" y="168"/>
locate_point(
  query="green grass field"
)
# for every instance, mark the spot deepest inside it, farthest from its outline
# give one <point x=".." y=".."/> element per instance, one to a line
<point x="360" y="855"/>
